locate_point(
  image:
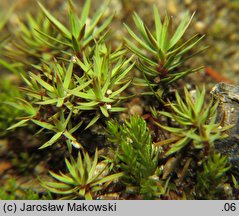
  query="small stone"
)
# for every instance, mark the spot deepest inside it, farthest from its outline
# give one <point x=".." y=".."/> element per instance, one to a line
<point x="136" y="109"/>
<point x="123" y="117"/>
<point x="200" y="27"/>
<point x="172" y="8"/>
<point x="108" y="92"/>
<point x="129" y="140"/>
<point x="73" y="58"/>
<point x="228" y="191"/>
<point x="108" y="106"/>
<point x="228" y="114"/>
<point x="187" y="2"/>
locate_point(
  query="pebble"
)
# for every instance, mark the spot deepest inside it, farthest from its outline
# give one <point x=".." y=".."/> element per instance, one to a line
<point x="200" y="27"/>
<point x="187" y="2"/>
<point x="172" y="8"/>
<point x="228" y="114"/>
<point x="136" y="110"/>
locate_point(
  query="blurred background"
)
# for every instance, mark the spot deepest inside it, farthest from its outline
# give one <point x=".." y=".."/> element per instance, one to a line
<point x="218" y="19"/>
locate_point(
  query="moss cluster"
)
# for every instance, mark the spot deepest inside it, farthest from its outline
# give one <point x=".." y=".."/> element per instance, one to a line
<point x="74" y="82"/>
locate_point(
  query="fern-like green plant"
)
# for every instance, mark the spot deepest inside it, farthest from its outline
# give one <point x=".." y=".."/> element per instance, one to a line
<point x="212" y="177"/>
<point x="161" y="54"/>
<point x="196" y="123"/>
<point x="84" y="178"/>
<point x="137" y="156"/>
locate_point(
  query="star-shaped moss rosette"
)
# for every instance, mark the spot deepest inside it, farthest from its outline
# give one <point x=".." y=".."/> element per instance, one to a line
<point x="81" y="31"/>
<point x="60" y="94"/>
<point x="84" y="178"/>
<point x="108" y="76"/>
<point x="197" y="127"/>
<point x="160" y="53"/>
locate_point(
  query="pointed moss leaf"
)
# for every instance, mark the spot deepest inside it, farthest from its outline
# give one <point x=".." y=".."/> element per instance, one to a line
<point x="151" y="38"/>
<point x="171" y="129"/>
<point x="47" y="101"/>
<point x="117" y="92"/>
<point x="75" y="128"/>
<point x="68" y="76"/>
<point x="58" y="191"/>
<point x="76" y="45"/>
<point x="142" y="29"/>
<point x="164" y="40"/>
<point x="95" y="20"/>
<point x="158" y="24"/>
<point x="170" y="115"/>
<point x="68" y="135"/>
<point x="93" y="121"/>
<point x="104" y="111"/>
<point x="60" y="102"/>
<point x="109" y="178"/>
<point x="80" y="87"/>
<point x="88" y="196"/>
<point x="72" y="170"/>
<point x="18" y="124"/>
<point x="178" y="146"/>
<point x="54" y="38"/>
<point x="103" y="26"/>
<point x="182" y="46"/>
<point x="63" y="178"/>
<point x="42" y="82"/>
<point x="93" y="167"/>
<point x="43" y="124"/>
<point x="200" y="101"/>
<point x="52" y="140"/>
<point x="74" y="20"/>
<point x="144" y="45"/>
<point x="55" y="22"/>
<point x="190" y="46"/>
<point x="60" y="186"/>
<point x="118" y="109"/>
<point x="81" y="167"/>
<point x="181" y="29"/>
<point x="82" y="32"/>
<point x="85" y="12"/>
